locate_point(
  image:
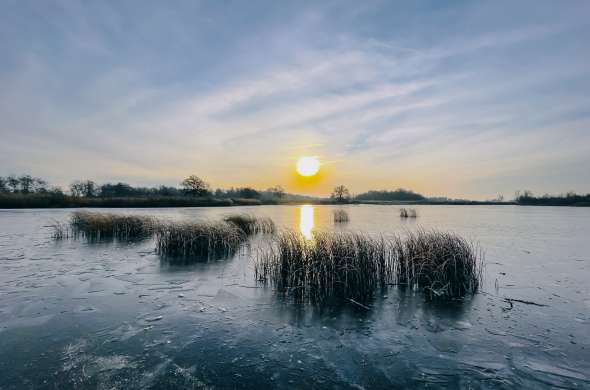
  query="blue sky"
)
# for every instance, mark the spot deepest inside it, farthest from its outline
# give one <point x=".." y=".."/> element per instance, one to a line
<point x="465" y="99"/>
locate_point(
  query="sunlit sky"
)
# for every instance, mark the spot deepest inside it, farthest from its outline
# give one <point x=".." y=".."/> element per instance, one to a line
<point x="462" y="99"/>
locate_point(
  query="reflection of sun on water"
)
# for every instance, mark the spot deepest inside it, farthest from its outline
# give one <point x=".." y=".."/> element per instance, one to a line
<point x="306" y="222"/>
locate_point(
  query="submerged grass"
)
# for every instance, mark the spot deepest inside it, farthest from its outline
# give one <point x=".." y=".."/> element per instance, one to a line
<point x="102" y="226"/>
<point x="184" y="243"/>
<point x="353" y="266"/>
<point x="340" y="216"/>
<point x="250" y="224"/>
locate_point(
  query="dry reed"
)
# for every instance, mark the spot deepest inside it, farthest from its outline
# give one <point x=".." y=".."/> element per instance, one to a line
<point x="250" y="224"/>
<point x="184" y="243"/>
<point x="340" y="216"/>
<point x="411" y="213"/>
<point x="441" y="264"/>
<point x="102" y="226"/>
<point x="353" y="266"/>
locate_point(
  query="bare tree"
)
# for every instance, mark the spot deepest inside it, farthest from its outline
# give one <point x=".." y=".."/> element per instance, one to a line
<point x="76" y="189"/>
<point x="26" y="183"/>
<point x="276" y="191"/>
<point x="3" y="184"/>
<point x="194" y="185"/>
<point x="90" y="189"/>
<point x="39" y="185"/>
<point x="340" y="194"/>
<point x="13" y="183"/>
<point x="86" y="188"/>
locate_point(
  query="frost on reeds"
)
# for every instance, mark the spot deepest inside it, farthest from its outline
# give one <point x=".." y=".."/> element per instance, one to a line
<point x="352" y="266"/>
<point x="411" y="213"/>
<point x="103" y="226"/>
<point x="183" y="243"/>
<point x="250" y="224"/>
<point x="340" y="216"/>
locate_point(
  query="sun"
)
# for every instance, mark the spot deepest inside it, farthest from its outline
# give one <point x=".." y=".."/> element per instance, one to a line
<point x="308" y="166"/>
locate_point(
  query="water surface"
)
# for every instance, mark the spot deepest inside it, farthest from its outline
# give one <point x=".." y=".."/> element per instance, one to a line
<point x="112" y="315"/>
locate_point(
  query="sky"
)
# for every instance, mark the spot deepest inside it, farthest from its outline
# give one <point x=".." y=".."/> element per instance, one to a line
<point x="447" y="98"/>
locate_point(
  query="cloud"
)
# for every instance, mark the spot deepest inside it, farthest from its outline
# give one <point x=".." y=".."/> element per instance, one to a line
<point x="137" y="94"/>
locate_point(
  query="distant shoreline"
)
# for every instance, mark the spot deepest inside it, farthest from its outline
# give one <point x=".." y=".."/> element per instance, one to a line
<point x="50" y="201"/>
<point x="434" y="203"/>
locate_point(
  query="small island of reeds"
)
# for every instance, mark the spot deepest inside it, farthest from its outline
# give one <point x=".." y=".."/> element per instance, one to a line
<point x="340" y="216"/>
<point x="185" y="243"/>
<point x="353" y="266"/>
<point x="404" y="213"/>
<point x="180" y="242"/>
<point x="105" y="226"/>
<point x="250" y="224"/>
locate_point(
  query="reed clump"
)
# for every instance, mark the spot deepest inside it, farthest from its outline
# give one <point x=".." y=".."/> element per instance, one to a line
<point x="340" y="216"/>
<point x="184" y="243"/>
<point x="329" y="267"/>
<point x="411" y="213"/>
<point x="250" y="224"/>
<point x="441" y="264"/>
<point x="352" y="266"/>
<point x="103" y="226"/>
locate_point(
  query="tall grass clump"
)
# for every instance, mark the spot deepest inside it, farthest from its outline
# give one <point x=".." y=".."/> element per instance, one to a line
<point x="340" y="216"/>
<point x="102" y="226"/>
<point x="352" y="266"/>
<point x="411" y="213"/>
<point x="198" y="242"/>
<point x="332" y="266"/>
<point x="441" y="264"/>
<point x="250" y="224"/>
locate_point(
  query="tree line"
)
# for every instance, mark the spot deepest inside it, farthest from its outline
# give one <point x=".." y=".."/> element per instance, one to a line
<point x="25" y="184"/>
<point x="398" y="195"/>
<point x="341" y="194"/>
<point x="195" y="187"/>
<point x="569" y="199"/>
<point x="191" y="186"/>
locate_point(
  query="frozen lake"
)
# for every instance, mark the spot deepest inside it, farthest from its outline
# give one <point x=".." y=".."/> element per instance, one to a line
<point x="75" y="314"/>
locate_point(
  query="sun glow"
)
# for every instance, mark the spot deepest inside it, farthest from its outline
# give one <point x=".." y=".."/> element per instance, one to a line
<point x="308" y="166"/>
